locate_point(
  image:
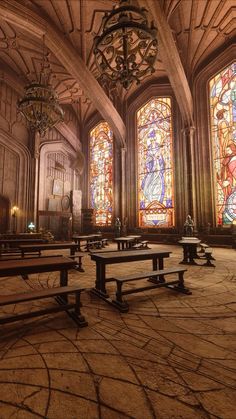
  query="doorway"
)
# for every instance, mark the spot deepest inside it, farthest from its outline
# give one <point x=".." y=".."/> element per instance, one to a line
<point x="4" y="214"/>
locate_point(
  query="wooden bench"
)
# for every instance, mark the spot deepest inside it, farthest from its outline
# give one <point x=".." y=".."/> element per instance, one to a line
<point x="58" y="292"/>
<point x="93" y="245"/>
<point x="156" y="277"/>
<point x="142" y="245"/>
<point x="104" y="242"/>
<point x="78" y="258"/>
<point x="203" y="247"/>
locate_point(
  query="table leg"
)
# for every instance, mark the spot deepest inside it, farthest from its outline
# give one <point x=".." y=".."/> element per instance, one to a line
<point x="157" y="263"/>
<point x="100" y="284"/>
<point x="64" y="283"/>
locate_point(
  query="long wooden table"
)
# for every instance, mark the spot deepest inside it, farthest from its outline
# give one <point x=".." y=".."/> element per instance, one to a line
<point x="28" y="248"/>
<point x="124" y="242"/>
<point x="8" y="244"/>
<point x="88" y="238"/>
<point x="108" y="258"/>
<point x="24" y="267"/>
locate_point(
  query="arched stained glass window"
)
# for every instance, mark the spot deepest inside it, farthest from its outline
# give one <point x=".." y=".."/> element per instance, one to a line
<point x="223" y="134"/>
<point x="155" y="164"/>
<point x="101" y="158"/>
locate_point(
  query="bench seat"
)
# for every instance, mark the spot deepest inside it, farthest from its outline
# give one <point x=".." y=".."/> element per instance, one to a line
<point x="93" y="245"/>
<point x="60" y="293"/>
<point x="156" y="278"/>
<point x="141" y="245"/>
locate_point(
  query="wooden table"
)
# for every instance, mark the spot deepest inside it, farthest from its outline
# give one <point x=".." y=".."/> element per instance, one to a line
<point x="109" y="258"/>
<point x="25" y="267"/>
<point x="88" y="238"/>
<point x="189" y="250"/>
<point x="6" y="244"/>
<point x="124" y="242"/>
<point x="27" y="248"/>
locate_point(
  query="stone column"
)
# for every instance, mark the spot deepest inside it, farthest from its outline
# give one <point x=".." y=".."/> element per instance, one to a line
<point x="34" y="143"/>
<point x="123" y="192"/>
<point x="189" y="136"/>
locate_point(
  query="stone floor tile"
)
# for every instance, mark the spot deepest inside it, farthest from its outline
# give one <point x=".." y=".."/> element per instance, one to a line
<point x="110" y="366"/>
<point x="95" y="346"/>
<point x="220" y="403"/>
<point x="66" y="361"/>
<point x="73" y="382"/>
<point x="171" y="408"/>
<point x="130" y="399"/>
<point x="67" y="406"/>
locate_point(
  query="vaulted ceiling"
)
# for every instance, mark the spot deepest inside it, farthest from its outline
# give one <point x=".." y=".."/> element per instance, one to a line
<point x="189" y="32"/>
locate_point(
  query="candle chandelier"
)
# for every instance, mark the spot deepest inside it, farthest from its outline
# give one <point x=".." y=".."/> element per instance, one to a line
<point x="127" y="48"/>
<point x="40" y="104"/>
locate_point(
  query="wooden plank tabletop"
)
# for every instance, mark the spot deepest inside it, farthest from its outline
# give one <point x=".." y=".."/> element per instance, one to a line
<point x="130" y="255"/>
<point x="45" y="246"/>
<point x="35" y="265"/>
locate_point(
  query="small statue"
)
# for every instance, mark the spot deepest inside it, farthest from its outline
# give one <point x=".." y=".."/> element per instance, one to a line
<point x="125" y="226"/>
<point x="117" y="227"/>
<point x="188" y="226"/>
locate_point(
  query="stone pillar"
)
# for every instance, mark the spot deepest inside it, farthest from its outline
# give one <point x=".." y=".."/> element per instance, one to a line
<point x="123" y="192"/>
<point x="189" y="136"/>
<point x="34" y="143"/>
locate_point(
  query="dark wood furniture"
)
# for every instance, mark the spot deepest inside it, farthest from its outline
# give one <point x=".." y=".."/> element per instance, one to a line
<point x="157" y="279"/>
<point x="55" y="246"/>
<point x="25" y="267"/>
<point x="9" y="245"/>
<point x="38" y="265"/>
<point x="27" y="248"/>
<point x="73" y="309"/>
<point x="189" y="246"/>
<point x="190" y="252"/>
<point x="87" y="238"/>
<point x="124" y="242"/>
<point x="103" y="259"/>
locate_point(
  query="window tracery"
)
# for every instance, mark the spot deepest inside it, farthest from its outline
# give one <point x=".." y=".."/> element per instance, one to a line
<point x="155" y="164"/>
<point x="222" y="89"/>
<point x="101" y="173"/>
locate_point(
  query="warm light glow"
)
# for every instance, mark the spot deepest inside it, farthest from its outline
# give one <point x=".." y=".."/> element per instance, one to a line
<point x="14" y="210"/>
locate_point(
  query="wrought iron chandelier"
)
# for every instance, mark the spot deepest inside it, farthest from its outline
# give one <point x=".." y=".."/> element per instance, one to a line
<point x="127" y="48"/>
<point x="40" y="104"/>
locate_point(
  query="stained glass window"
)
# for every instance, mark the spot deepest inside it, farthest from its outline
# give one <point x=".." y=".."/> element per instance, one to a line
<point x="101" y="157"/>
<point x="223" y="134"/>
<point x="155" y="164"/>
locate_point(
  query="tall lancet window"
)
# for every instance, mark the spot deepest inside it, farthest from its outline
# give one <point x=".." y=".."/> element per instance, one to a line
<point x="223" y="135"/>
<point x="101" y="159"/>
<point x="155" y="164"/>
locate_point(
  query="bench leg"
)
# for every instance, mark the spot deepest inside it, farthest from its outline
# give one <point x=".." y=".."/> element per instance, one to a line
<point x="181" y="287"/>
<point x="64" y="282"/>
<point x="79" y="318"/>
<point x="209" y="258"/>
<point x="122" y="305"/>
<point x="79" y="266"/>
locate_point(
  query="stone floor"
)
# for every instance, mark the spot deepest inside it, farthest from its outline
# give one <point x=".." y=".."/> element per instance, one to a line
<point x="171" y="356"/>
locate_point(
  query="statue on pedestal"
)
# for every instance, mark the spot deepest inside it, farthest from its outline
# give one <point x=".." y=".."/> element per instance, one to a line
<point x="188" y="226"/>
<point x="117" y="227"/>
